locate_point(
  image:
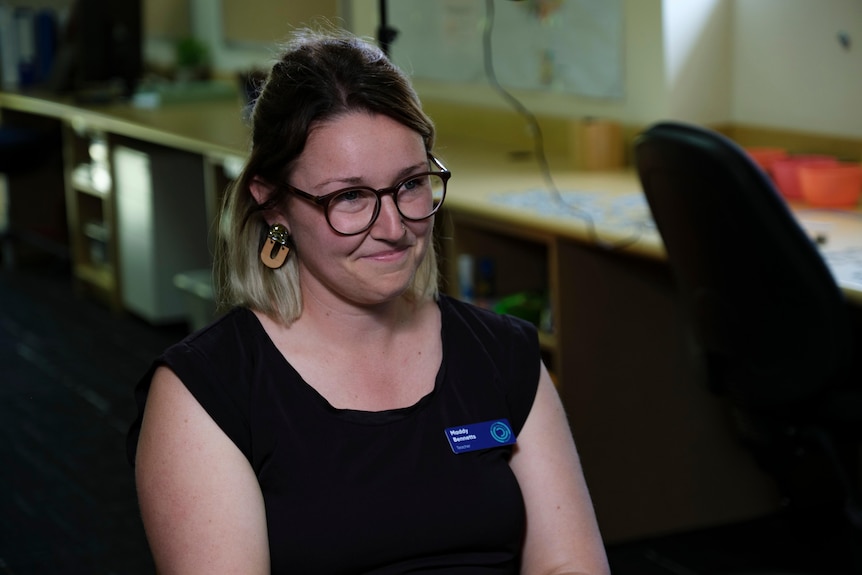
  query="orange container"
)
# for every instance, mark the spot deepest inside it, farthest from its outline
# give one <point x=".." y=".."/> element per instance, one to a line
<point x="835" y="186"/>
<point x="765" y="156"/>
<point x="785" y="172"/>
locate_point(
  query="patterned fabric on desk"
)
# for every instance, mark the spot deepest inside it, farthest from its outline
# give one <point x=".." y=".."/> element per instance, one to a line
<point x="621" y="213"/>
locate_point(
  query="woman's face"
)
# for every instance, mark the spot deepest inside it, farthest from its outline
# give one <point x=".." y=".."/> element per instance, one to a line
<point x="377" y="265"/>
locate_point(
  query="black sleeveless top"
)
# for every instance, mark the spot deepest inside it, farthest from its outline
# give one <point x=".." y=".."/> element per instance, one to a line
<point x="372" y="492"/>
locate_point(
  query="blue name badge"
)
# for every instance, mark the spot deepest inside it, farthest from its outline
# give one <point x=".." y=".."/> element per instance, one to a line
<point x="484" y="435"/>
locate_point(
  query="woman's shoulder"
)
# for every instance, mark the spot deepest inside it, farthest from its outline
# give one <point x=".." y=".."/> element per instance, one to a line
<point x="212" y="363"/>
<point x="218" y="351"/>
<point x="486" y="346"/>
<point x="235" y="325"/>
<point x="485" y="322"/>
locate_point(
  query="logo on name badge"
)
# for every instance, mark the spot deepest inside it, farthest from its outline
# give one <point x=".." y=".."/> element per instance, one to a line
<point x="483" y="435"/>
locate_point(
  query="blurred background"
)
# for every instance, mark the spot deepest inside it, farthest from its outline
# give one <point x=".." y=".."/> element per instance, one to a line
<point x="79" y="324"/>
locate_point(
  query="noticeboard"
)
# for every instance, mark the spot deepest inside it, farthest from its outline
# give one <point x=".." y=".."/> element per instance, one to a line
<point x="568" y="46"/>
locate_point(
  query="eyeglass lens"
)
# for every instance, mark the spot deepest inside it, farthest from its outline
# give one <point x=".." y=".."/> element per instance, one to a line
<point x="416" y="198"/>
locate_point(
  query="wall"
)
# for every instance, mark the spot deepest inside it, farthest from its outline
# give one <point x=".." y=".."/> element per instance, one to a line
<point x="166" y="19"/>
<point x="242" y="23"/>
<point x="697" y="74"/>
<point x="770" y="63"/>
<point x="789" y="70"/>
<point x="241" y="34"/>
<point x="646" y="93"/>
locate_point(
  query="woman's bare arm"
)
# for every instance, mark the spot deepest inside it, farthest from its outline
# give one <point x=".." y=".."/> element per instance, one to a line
<point x="200" y="501"/>
<point x="562" y="534"/>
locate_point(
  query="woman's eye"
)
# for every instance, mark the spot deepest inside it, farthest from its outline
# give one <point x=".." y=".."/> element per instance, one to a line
<point x="413" y="183"/>
<point x="349" y="196"/>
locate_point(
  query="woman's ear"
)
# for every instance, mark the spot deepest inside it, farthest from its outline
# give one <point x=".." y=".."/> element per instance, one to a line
<point x="260" y="190"/>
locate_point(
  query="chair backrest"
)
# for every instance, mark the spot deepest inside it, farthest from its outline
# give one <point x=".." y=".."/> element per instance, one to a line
<point x="763" y="307"/>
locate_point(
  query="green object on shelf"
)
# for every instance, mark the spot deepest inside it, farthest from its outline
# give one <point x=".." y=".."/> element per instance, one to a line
<point x="191" y="53"/>
<point x="526" y="305"/>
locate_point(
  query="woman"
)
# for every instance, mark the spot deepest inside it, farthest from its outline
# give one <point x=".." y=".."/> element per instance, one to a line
<point x="343" y="417"/>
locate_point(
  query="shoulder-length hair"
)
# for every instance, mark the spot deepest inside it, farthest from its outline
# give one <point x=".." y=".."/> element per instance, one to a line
<point x="319" y="76"/>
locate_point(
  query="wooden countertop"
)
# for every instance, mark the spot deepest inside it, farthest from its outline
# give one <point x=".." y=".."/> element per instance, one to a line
<point x="211" y="127"/>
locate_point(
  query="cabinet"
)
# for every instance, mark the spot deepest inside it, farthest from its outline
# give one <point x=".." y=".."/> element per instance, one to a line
<point x="137" y="216"/>
<point x="162" y="227"/>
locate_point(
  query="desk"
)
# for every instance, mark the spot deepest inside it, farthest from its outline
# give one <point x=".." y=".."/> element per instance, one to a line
<point x="656" y="448"/>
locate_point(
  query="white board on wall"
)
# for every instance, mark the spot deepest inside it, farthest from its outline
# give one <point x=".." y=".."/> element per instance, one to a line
<point x="569" y="46"/>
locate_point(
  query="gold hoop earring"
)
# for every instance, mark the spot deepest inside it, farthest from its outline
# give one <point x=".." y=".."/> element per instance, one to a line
<point x="275" y="249"/>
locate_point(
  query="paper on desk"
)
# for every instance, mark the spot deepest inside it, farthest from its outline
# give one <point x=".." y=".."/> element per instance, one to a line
<point x="843" y="259"/>
<point x="846" y="266"/>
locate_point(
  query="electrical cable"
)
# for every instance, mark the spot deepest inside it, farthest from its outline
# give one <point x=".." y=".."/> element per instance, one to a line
<point x="539" y="142"/>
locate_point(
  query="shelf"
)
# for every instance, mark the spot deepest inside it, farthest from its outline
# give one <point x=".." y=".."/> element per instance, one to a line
<point x="100" y="276"/>
<point x="91" y="180"/>
<point x="507" y="263"/>
<point x="96" y="231"/>
<point x="548" y="341"/>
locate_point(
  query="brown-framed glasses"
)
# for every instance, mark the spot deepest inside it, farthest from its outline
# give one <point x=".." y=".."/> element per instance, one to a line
<point x="353" y="210"/>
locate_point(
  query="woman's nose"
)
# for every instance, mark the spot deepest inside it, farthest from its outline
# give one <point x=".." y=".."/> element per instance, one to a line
<point x="389" y="222"/>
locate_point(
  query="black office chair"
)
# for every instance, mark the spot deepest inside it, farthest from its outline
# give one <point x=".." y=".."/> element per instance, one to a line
<point x="766" y="318"/>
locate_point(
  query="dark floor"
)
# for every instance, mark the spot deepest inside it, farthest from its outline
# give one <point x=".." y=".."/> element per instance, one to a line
<point x="67" y="501"/>
<point x="67" y="366"/>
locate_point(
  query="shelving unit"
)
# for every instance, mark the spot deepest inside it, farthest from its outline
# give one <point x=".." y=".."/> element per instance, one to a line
<point x="132" y="227"/>
<point x="91" y="212"/>
<point x="523" y="261"/>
